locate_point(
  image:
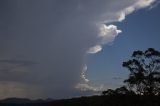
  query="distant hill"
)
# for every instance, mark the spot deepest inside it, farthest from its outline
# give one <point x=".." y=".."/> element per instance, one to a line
<point x="115" y="100"/>
<point x="23" y="101"/>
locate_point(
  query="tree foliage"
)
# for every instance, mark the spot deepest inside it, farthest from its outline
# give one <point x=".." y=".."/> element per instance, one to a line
<point x="118" y="91"/>
<point x="108" y="92"/>
<point x="144" y="67"/>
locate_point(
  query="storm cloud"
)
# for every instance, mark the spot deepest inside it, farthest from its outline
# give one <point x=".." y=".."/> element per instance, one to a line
<point x="44" y="43"/>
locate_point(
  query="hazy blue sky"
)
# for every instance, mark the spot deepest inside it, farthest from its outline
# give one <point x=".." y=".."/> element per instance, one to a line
<point x="141" y="30"/>
<point x="47" y="45"/>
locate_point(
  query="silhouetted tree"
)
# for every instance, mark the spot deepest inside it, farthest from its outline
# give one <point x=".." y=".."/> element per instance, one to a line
<point x="144" y="67"/>
<point x="124" y="91"/>
<point x="118" y="91"/>
<point x="121" y="90"/>
<point x="108" y="92"/>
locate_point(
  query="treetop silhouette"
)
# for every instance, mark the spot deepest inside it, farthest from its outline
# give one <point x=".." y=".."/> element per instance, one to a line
<point x="144" y="67"/>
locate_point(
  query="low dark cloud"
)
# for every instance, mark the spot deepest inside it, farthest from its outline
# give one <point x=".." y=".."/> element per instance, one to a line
<point x="18" y="62"/>
<point x="117" y="78"/>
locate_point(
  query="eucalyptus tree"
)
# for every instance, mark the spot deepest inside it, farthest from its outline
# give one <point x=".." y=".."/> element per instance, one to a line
<point x="144" y="68"/>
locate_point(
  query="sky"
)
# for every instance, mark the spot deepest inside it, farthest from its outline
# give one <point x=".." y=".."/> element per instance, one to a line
<point x="141" y="30"/>
<point x="61" y="49"/>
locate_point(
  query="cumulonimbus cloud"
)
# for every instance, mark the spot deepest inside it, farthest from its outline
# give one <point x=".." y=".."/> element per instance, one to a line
<point x="56" y="35"/>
